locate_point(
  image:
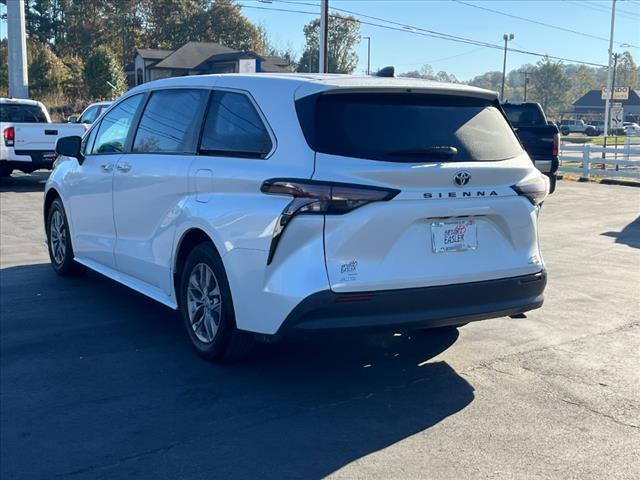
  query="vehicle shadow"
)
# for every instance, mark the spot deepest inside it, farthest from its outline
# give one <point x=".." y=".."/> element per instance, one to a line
<point x="102" y="383"/>
<point x="20" y="182"/>
<point x="629" y="235"/>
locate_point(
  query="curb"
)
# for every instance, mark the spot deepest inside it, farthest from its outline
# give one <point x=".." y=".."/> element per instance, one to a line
<point x="604" y="181"/>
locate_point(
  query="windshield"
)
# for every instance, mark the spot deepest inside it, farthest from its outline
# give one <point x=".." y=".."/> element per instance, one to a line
<point x="407" y="127"/>
<point x="21" y="114"/>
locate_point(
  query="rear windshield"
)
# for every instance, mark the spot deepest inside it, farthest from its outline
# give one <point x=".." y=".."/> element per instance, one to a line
<point x="21" y="114"/>
<point x="407" y="127"/>
<point x="523" y="115"/>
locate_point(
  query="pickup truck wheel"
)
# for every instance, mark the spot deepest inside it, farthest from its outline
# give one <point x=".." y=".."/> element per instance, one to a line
<point x="59" y="242"/>
<point x="207" y="310"/>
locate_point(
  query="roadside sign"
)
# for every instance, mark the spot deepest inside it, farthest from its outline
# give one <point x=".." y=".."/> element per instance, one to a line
<point x="616" y="117"/>
<point x="619" y="93"/>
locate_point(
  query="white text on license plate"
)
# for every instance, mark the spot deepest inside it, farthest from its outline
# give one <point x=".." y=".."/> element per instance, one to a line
<point x="454" y="236"/>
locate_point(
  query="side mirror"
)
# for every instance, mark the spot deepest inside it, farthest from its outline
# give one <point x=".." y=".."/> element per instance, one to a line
<point x="73" y="119"/>
<point x="70" y="147"/>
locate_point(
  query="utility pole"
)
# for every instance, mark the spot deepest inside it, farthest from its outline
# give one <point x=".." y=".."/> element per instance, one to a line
<point x="324" y="36"/>
<point x="368" y="39"/>
<point x="17" y="39"/>
<point x="610" y="72"/>
<point x="506" y="37"/>
<point x="526" y="82"/>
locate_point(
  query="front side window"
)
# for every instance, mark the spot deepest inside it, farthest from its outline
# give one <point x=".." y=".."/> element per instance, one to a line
<point x="90" y="115"/>
<point x="114" y="127"/>
<point x="233" y="127"/>
<point x="170" y="121"/>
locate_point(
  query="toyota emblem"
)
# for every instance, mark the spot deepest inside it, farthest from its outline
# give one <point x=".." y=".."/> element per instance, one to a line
<point x="462" y="178"/>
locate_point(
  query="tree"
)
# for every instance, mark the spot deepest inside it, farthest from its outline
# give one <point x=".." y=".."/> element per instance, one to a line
<point x="102" y="68"/>
<point x="426" y="72"/>
<point x="491" y="81"/>
<point x="550" y="85"/>
<point x="344" y="34"/>
<point x="4" y="69"/>
<point x="223" y="22"/>
<point x="172" y="23"/>
<point x="626" y="71"/>
<point x="73" y="84"/>
<point x="582" y="80"/>
<point x="47" y="73"/>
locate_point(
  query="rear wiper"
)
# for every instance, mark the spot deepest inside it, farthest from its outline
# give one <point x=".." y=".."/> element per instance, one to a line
<point x="436" y="151"/>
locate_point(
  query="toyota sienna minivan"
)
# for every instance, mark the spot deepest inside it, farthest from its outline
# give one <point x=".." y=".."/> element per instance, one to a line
<point x="259" y="205"/>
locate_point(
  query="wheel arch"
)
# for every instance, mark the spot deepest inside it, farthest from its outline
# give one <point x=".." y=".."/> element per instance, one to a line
<point x="188" y="240"/>
<point x="49" y="197"/>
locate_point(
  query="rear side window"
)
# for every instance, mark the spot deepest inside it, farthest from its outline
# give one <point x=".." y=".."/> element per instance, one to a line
<point x="522" y="115"/>
<point x="90" y="115"/>
<point x="407" y="127"/>
<point x="114" y="127"/>
<point x="170" y="121"/>
<point x="233" y="127"/>
<point x="21" y="114"/>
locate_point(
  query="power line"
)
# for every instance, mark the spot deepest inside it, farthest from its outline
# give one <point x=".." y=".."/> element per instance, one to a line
<point x="498" y="12"/>
<point x="424" y="32"/>
<point x="602" y="8"/>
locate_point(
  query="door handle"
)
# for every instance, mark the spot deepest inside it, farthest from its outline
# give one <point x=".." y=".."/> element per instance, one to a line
<point x="123" y="167"/>
<point x="107" y="167"/>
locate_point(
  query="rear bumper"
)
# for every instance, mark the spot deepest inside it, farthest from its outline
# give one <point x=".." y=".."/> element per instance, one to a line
<point x="417" y="307"/>
<point x="29" y="160"/>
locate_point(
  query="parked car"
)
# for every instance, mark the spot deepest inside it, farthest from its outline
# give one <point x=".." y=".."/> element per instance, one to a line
<point x="28" y="136"/>
<point x="262" y="205"/>
<point x="91" y="113"/>
<point x="631" y="128"/>
<point x="540" y="138"/>
<point x="577" y="126"/>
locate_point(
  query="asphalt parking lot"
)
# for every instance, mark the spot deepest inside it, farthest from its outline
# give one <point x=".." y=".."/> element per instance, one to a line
<point x="100" y="382"/>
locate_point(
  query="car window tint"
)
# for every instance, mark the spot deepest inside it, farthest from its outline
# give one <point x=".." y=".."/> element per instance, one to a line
<point x="87" y="141"/>
<point x="114" y="127"/>
<point x="170" y="121"/>
<point x="90" y="115"/>
<point x="21" y="114"/>
<point x="234" y="127"/>
<point x="523" y="115"/>
<point x="406" y="127"/>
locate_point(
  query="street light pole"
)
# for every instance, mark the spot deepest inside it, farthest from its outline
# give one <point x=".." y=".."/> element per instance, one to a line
<point x="526" y="83"/>
<point x="368" y="39"/>
<point x="17" y="46"/>
<point x="610" y="72"/>
<point x="324" y="36"/>
<point x="506" y="38"/>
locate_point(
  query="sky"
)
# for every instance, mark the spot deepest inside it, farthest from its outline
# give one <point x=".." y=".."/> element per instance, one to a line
<point x="407" y="50"/>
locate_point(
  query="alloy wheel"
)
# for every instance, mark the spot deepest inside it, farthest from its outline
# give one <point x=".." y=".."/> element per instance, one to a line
<point x="204" y="302"/>
<point x="57" y="237"/>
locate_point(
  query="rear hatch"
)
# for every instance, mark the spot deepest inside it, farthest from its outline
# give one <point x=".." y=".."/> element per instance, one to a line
<point x="451" y="161"/>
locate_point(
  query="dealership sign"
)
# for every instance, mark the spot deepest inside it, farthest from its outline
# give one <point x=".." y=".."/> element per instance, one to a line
<point x="619" y="93"/>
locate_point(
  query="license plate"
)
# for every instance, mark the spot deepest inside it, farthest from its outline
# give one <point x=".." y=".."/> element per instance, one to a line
<point x="454" y="236"/>
<point x="48" y="156"/>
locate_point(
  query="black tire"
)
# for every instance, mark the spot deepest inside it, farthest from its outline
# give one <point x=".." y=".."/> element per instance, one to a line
<point x="227" y="344"/>
<point x="552" y="183"/>
<point x="62" y="257"/>
<point x="565" y="132"/>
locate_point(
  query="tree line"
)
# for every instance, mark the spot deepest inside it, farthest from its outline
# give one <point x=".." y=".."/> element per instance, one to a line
<point x="77" y="49"/>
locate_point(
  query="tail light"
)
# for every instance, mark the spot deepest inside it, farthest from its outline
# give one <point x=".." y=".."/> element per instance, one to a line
<point x="9" y="135"/>
<point x="319" y="198"/>
<point x="535" y="189"/>
<point x="556" y="144"/>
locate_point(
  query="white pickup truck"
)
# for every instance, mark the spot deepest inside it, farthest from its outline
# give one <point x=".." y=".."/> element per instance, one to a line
<point x="28" y="136"/>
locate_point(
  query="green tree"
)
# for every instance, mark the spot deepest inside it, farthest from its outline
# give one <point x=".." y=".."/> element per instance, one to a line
<point x="73" y="84"/>
<point x="426" y="72"/>
<point x="4" y="69"/>
<point x="491" y="81"/>
<point x="626" y="71"/>
<point x="47" y="73"/>
<point x="172" y="23"/>
<point x="344" y="34"/>
<point x="101" y="70"/>
<point x="223" y="22"/>
<point x="582" y="80"/>
<point x="550" y="85"/>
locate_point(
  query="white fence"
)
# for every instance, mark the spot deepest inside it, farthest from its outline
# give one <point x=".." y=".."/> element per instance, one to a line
<point x="594" y="160"/>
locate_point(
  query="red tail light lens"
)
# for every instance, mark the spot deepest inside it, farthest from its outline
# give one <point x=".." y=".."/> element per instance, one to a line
<point x="535" y="189"/>
<point x="9" y="135"/>
<point x="321" y="198"/>
<point x="556" y="144"/>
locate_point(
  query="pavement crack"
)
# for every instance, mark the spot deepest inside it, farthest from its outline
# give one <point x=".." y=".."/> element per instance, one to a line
<point x="599" y="413"/>
<point x="119" y="461"/>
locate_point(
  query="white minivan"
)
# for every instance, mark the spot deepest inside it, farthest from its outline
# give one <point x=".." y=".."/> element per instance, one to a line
<point x="260" y="205"/>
